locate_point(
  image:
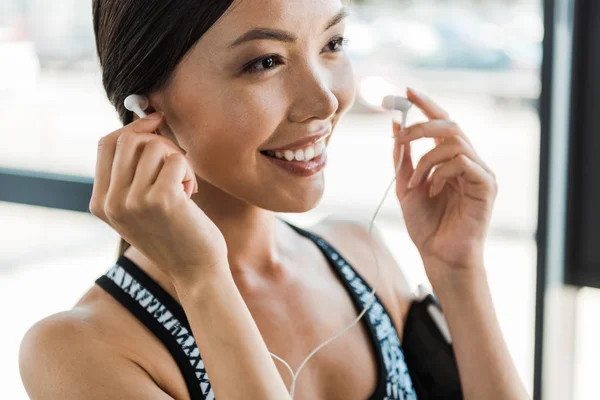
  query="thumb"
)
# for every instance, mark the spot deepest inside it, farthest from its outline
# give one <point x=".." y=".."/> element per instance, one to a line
<point x="149" y="123"/>
<point x="402" y="155"/>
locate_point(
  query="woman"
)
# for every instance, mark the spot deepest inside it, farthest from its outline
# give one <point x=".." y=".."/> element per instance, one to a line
<point x="242" y="93"/>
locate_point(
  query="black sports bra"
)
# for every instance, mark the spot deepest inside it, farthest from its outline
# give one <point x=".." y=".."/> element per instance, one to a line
<point x="164" y="317"/>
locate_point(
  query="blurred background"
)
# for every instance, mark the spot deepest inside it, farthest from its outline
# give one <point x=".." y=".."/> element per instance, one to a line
<point x="481" y="60"/>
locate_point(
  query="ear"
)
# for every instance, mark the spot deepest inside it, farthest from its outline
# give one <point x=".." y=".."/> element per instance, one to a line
<point x="150" y="110"/>
<point x="165" y="129"/>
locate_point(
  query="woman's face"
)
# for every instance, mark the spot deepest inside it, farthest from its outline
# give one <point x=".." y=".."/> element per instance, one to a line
<point x="242" y="91"/>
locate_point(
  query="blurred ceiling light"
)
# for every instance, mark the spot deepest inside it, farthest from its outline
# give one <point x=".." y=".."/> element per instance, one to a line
<point x="373" y="89"/>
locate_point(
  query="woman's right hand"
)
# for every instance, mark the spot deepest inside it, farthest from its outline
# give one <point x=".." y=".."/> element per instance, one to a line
<point x="142" y="189"/>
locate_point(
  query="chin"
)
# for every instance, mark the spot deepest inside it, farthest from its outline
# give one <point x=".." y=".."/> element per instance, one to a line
<point x="302" y="208"/>
<point x="296" y="203"/>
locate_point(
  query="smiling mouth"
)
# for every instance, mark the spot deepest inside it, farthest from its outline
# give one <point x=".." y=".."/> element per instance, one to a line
<point x="303" y="154"/>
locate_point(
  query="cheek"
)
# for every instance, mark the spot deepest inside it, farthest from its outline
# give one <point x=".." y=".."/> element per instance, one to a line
<point x="247" y="118"/>
<point x="232" y="125"/>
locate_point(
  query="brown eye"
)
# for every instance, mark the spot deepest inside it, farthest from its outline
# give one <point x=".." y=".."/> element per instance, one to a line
<point x="262" y="65"/>
<point x="337" y="44"/>
<point x="268" y="63"/>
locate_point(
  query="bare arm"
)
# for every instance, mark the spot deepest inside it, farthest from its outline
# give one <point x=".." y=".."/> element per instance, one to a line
<point x="486" y="368"/>
<point x="447" y="200"/>
<point x="60" y="359"/>
<point x="235" y="355"/>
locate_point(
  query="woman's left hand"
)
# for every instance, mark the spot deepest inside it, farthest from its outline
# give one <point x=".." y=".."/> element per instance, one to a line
<point x="448" y="198"/>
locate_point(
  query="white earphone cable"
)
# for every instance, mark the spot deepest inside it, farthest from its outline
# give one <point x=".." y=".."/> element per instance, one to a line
<point x="138" y="104"/>
<point x="372" y="294"/>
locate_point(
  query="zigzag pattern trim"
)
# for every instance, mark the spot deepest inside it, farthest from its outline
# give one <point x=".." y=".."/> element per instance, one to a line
<point x="161" y="313"/>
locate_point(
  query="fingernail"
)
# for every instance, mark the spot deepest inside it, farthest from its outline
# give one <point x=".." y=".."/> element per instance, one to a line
<point x="414" y="92"/>
<point x="155" y="115"/>
<point x="396" y="127"/>
<point x="431" y="193"/>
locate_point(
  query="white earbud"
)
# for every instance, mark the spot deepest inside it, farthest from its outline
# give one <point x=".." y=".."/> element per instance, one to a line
<point x="399" y="103"/>
<point x="137" y="103"/>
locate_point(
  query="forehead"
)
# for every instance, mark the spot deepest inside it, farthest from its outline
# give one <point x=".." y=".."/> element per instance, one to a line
<point x="297" y="16"/>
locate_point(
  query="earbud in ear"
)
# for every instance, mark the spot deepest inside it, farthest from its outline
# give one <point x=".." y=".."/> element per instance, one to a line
<point x="137" y="103"/>
<point x="399" y="103"/>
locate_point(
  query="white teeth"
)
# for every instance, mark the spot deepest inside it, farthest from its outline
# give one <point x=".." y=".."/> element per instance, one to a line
<point x="299" y="155"/>
<point x="289" y="155"/>
<point x="309" y="153"/>
<point x="305" y="154"/>
<point x="319" y="148"/>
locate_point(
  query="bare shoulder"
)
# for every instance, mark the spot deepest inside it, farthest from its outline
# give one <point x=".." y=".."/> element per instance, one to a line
<point x="350" y="236"/>
<point x="68" y="356"/>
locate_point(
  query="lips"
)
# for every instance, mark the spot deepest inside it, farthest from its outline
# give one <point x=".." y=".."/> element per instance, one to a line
<point x="301" y="168"/>
<point x="303" y="143"/>
<point x="313" y="147"/>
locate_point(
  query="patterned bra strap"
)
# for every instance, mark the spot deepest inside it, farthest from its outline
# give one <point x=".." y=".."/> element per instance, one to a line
<point x="163" y="316"/>
<point x="389" y="350"/>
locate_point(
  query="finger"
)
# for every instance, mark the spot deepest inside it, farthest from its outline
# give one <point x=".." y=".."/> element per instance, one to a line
<point x="175" y="173"/>
<point x="149" y="165"/>
<point x="128" y="151"/>
<point x="441" y="131"/>
<point x="459" y="167"/>
<point x="151" y="162"/>
<point x="402" y="151"/>
<point x="429" y="107"/>
<point x="437" y="187"/>
<point x="104" y="161"/>
<point x="432" y="129"/>
<point x="150" y="123"/>
<point x="130" y="146"/>
<point x="444" y="152"/>
<point x="157" y="116"/>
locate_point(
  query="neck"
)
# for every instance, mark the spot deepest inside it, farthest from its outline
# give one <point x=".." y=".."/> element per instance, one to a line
<point x="253" y="235"/>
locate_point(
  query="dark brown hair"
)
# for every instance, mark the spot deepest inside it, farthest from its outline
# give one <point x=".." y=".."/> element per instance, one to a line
<point x="140" y="42"/>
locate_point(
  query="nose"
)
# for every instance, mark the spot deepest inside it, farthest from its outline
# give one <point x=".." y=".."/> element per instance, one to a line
<point x="313" y="95"/>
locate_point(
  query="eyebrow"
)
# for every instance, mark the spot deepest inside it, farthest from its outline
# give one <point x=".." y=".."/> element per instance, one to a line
<point x="284" y="36"/>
